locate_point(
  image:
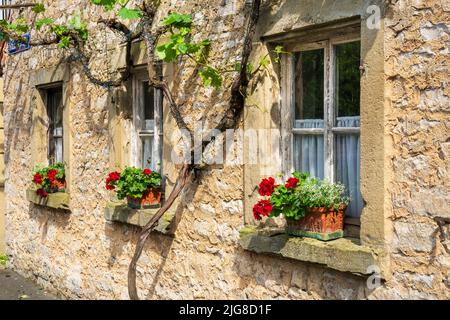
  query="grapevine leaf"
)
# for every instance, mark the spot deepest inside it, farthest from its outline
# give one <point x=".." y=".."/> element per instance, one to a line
<point x="38" y="8"/>
<point x="129" y="14"/>
<point x="43" y="22"/>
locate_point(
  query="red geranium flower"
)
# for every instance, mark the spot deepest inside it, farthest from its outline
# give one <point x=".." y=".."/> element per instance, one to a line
<point x="262" y="208"/>
<point x="37" y="179"/>
<point x="51" y="174"/>
<point x="147" y="172"/>
<point x="109" y="186"/>
<point x="114" y="176"/>
<point x="292" y="183"/>
<point x="41" y="192"/>
<point x="267" y="186"/>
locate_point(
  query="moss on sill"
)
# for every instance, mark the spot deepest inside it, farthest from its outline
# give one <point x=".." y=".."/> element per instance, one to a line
<point x="120" y="212"/>
<point x="59" y="200"/>
<point x="346" y="254"/>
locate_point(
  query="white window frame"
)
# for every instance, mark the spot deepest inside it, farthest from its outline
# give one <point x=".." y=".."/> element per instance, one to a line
<point x="288" y="106"/>
<point x="138" y="119"/>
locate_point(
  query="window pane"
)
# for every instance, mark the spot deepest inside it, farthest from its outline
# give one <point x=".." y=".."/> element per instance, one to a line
<point x="347" y="82"/>
<point x="147" y="153"/>
<point x="309" y="89"/>
<point x="347" y="155"/>
<point x="58" y="150"/>
<point x="309" y="154"/>
<point x="55" y="130"/>
<point x="149" y="106"/>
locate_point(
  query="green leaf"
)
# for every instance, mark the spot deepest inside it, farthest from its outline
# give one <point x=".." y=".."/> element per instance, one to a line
<point x="265" y="62"/>
<point x="38" y="8"/>
<point x="107" y="4"/>
<point x="183" y="48"/>
<point x="166" y="52"/>
<point x="43" y="22"/>
<point x="64" y="42"/>
<point x="129" y="14"/>
<point x="178" y="20"/>
<point x="211" y="77"/>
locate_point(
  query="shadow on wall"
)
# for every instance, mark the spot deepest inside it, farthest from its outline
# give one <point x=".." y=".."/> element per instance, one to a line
<point x="121" y="235"/>
<point x="46" y="216"/>
<point x="283" y="277"/>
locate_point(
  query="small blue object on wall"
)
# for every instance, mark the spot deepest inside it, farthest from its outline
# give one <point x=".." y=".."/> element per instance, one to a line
<point x="15" y="46"/>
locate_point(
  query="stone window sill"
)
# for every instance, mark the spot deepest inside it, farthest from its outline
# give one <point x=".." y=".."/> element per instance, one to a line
<point x="120" y="212"/>
<point x="59" y="200"/>
<point x="346" y="254"/>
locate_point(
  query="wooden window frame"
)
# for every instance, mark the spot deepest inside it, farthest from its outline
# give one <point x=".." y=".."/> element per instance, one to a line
<point x="329" y="131"/>
<point x="138" y="114"/>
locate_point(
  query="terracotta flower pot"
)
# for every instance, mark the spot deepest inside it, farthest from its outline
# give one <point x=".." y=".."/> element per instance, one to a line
<point x="319" y="223"/>
<point x="58" y="185"/>
<point x="151" y="199"/>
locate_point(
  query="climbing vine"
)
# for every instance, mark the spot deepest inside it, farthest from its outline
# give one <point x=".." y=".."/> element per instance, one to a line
<point x="177" y="31"/>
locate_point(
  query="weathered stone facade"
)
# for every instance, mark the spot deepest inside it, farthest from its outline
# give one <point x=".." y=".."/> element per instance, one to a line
<point x="81" y="255"/>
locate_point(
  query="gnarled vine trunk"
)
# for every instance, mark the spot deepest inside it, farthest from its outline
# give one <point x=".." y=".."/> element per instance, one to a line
<point x="229" y="120"/>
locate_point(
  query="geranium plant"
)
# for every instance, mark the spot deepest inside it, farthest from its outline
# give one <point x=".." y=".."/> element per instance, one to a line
<point x="300" y="192"/>
<point x="133" y="182"/>
<point x="49" y="179"/>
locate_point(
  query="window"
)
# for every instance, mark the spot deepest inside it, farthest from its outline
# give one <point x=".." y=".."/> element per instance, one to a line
<point x="54" y="106"/>
<point x="323" y="89"/>
<point x="147" y="110"/>
<point x="5" y="13"/>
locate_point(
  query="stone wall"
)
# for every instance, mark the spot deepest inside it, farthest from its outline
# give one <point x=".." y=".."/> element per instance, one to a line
<point x="2" y="175"/>
<point x="417" y="128"/>
<point x="82" y="256"/>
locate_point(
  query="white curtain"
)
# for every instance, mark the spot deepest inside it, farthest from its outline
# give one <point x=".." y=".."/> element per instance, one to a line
<point x="149" y="150"/>
<point x="347" y="164"/>
<point x="309" y="149"/>
<point x="309" y="157"/>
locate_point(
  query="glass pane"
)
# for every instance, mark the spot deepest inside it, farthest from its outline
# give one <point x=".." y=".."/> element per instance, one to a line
<point x="54" y="107"/>
<point x="147" y="153"/>
<point x="347" y="82"/>
<point x="149" y="101"/>
<point x="309" y="89"/>
<point x="58" y="150"/>
<point x="347" y="155"/>
<point x="309" y="154"/>
<point x="55" y="116"/>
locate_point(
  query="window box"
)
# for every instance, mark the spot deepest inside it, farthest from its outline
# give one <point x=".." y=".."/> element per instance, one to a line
<point x="58" y="200"/>
<point x="120" y="212"/>
<point x="346" y="254"/>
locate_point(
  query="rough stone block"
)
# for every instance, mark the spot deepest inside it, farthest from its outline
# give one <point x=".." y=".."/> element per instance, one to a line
<point x="59" y="200"/>
<point x="341" y="254"/>
<point x="414" y="236"/>
<point x="120" y="212"/>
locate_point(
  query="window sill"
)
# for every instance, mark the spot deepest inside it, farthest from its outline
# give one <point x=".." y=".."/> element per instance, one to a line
<point x="346" y="254"/>
<point x="119" y="212"/>
<point x="59" y="200"/>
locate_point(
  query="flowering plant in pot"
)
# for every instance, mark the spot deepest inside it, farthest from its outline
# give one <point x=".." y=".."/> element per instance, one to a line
<point x="312" y="207"/>
<point x="49" y="179"/>
<point x="141" y="187"/>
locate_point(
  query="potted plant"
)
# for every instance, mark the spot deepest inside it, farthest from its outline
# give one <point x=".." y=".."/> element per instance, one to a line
<point x="49" y="179"/>
<point x="141" y="188"/>
<point x="312" y="207"/>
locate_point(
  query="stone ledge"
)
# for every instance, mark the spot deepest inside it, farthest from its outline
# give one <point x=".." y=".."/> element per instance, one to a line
<point x="59" y="200"/>
<point x="345" y="254"/>
<point x="120" y="212"/>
